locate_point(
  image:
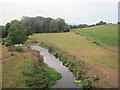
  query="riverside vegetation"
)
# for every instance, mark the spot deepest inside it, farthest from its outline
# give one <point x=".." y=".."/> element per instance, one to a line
<point x="77" y="67"/>
<point x="26" y="70"/>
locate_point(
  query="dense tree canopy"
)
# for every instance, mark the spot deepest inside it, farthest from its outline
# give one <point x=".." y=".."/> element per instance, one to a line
<point x="16" y="33"/>
<point x="4" y="32"/>
<point x="44" y="25"/>
<point x="39" y="25"/>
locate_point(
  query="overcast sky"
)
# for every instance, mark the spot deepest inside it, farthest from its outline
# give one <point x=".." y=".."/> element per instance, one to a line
<point x="73" y="11"/>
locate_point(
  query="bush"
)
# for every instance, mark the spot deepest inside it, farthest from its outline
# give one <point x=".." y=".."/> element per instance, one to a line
<point x="13" y="48"/>
<point x="56" y="55"/>
<point x="18" y="49"/>
<point x="52" y="75"/>
<point x="5" y="42"/>
<point x="96" y="78"/>
<point x="51" y="49"/>
<point x="34" y="41"/>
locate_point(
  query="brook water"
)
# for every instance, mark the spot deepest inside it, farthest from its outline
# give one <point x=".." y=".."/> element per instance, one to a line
<point x="67" y="80"/>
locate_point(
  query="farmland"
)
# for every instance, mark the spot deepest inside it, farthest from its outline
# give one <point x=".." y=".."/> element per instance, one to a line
<point x="100" y="59"/>
<point x="107" y="34"/>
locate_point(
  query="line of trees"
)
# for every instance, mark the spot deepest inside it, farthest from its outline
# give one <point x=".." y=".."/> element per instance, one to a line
<point x="38" y="25"/>
<point x="16" y="32"/>
<point x="85" y="25"/>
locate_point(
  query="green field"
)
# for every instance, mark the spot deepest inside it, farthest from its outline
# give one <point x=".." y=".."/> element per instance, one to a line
<point x="107" y="34"/>
<point x="102" y="61"/>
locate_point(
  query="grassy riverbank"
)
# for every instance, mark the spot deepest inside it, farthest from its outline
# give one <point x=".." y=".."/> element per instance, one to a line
<point x="99" y="61"/>
<point x="26" y="70"/>
<point x="77" y="67"/>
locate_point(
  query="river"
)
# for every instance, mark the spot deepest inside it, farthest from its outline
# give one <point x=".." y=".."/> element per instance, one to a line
<point x="67" y="80"/>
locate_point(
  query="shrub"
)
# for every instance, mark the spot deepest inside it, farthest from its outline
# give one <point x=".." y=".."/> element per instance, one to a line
<point x="18" y="49"/>
<point x="34" y="41"/>
<point x="56" y="55"/>
<point x="13" y="48"/>
<point x="96" y="78"/>
<point x="52" y="75"/>
<point x="6" y="42"/>
<point x="51" y="49"/>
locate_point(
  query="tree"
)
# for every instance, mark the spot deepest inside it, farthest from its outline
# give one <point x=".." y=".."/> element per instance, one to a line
<point x="4" y="32"/>
<point x="53" y="26"/>
<point x="101" y="23"/>
<point x="118" y="22"/>
<point x="40" y="25"/>
<point x="28" y="23"/>
<point x="17" y="34"/>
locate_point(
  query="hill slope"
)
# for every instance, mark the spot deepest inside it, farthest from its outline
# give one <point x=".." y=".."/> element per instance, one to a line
<point x="101" y="61"/>
<point x="105" y="34"/>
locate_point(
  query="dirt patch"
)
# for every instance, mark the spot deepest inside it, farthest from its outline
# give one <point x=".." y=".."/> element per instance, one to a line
<point x="107" y="78"/>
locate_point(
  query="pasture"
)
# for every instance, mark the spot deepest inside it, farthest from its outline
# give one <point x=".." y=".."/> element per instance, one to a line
<point x="100" y="61"/>
<point x="105" y="34"/>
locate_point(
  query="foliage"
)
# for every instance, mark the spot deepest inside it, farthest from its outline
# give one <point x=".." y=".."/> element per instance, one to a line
<point x="53" y="76"/>
<point x="58" y="25"/>
<point x="44" y="25"/>
<point x="96" y="78"/>
<point x="6" y="41"/>
<point x="101" y="23"/>
<point x="19" y="49"/>
<point x="13" y="48"/>
<point x="40" y="77"/>
<point x="17" y="33"/>
<point x="4" y="32"/>
<point x="37" y="25"/>
<point x="85" y="82"/>
<point x="34" y="77"/>
<point x="34" y="42"/>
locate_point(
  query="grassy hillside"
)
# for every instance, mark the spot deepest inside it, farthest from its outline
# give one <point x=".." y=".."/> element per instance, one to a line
<point x="100" y="61"/>
<point x="105" y="34"/>
<point x="26" y="70"/>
